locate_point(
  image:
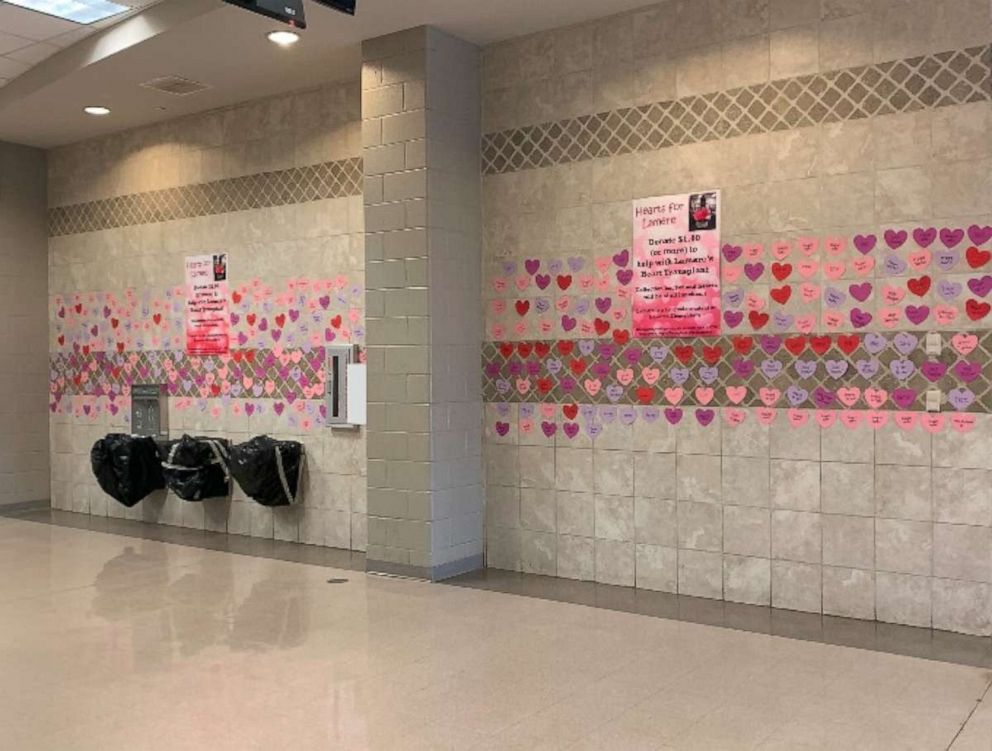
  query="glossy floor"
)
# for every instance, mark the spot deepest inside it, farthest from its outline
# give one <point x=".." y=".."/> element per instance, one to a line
<point x="109" y="642"/>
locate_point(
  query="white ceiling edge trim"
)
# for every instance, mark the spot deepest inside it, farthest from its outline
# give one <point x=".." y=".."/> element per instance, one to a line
<point x="139" y="28"/>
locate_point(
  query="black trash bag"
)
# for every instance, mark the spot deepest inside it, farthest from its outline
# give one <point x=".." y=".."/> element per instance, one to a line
<point x="196" y="468"/>
<point x="127" y="467"/>
<point x="269" y="471"/>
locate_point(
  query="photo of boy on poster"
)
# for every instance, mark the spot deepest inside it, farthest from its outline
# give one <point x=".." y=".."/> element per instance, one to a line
<point x="702" y="212"/>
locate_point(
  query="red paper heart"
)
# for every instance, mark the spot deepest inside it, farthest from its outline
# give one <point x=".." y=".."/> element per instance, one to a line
<point x="565" y="348"/>
<point x="795" y="344"/>
<point x="758" y="320"/>
<point x="621" y="336"/>
<point x="819" y="344"/>
<point x="743" y="344"/>
<point x="524" y="348"/>
<point x="564" y="281"/>
<point x="977" y="258"/>
<point x="781" y="295"/>
<point x="601" y="326"/>
<point x="506" y="349"/>
<point x="848" y="343"/>
<point x="570" y="411"/>
<point x="977" y="310"/>
<point x="542" y="349"/>
<point x="684" y="353"/>
<point x="781" y="271"/>
<point x="645" y="394"/>
<point x="712" y="355"/>
<point x="522" y="307"/>
<point x="919" y="287"/>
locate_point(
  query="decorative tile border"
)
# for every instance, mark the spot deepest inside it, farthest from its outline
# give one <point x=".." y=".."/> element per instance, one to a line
<point x="262" y="373"/>
<point x="917" y="83"/>
<point x="337" y="179"/>
<point x="878" y="371"/>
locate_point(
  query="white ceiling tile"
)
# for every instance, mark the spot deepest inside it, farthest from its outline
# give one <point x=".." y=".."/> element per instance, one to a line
<point x="11" y="68"/>
<point x="34" y="54"/>
<point x="71" y="37"/>
<point x="9" y="42"/>
<point x="28" y="23"/>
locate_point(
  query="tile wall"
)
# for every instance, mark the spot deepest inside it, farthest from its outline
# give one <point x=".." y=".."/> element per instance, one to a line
<point x="23" y="308"/>
<point x="274" y="183"/>
<point x="884" y="524"/>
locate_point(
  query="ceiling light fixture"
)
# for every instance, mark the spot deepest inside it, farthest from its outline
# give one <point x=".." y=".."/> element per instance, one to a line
<point x="77" y="11"/>
<point x="283" y="38"/>
<point x="96" y="110"/>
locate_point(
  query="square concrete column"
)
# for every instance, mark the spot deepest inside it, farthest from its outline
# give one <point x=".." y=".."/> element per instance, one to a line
<point x="421" y="147"/>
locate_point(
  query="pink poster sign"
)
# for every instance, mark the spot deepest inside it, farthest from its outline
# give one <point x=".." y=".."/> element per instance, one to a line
<point x="208" y="318"/>
<point x="677" y="265"/>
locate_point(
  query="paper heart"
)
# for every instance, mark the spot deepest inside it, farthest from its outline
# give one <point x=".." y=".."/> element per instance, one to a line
<point x="798" y="418"/>
<point x="895" y="239"/>
<point x="876" y="397"/>
<point x="960" y="398"/>
<point x="905" y="420"/>
<point x="865" y="243"/>
<point x="765" y="416"/>
<point x="754" y="251"/>
<point x="951" y="237"/>
<point x="825" y="418"/>
<point x="965" y="344"/>
<point x="674" y="395"/>
<point x="980" y="286"/>
<point x="732" y="252"/>
<point x="863" y="266"/>
<point x="963" y="423"/>
<point x="781" y="249"/>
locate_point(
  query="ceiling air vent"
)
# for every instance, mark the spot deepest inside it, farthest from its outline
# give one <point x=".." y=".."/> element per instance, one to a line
<point x="175" y="85"/>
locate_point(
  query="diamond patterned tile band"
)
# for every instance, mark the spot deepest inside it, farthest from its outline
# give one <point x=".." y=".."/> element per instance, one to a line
<point x="337" y="179"/>
<point x="800" y="372"/>
<point x="917" y="83"/>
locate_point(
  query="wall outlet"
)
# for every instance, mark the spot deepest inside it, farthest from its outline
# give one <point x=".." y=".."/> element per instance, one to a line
<point x="933" y="400"/>
<point x="935" y="343"/>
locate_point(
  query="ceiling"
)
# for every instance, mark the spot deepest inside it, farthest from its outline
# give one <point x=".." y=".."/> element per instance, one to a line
<point x="27" y="37"/>
<point x="225" y="48"/>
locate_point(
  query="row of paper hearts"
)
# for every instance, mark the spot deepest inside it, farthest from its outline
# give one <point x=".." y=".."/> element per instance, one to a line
<point x="304" y="415"/>
<point x="547" y="419"/>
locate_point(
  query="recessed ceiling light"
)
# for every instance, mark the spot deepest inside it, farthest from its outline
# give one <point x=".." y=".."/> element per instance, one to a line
<point x="96" y="110"/>
<point x="283" y="38"/>
<point x="77" y="11"/>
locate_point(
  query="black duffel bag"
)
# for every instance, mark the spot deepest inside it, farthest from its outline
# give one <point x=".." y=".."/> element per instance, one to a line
<point x="196" y="468"/>
<point x="127" y="467"/>
<point x="269" y="471"/>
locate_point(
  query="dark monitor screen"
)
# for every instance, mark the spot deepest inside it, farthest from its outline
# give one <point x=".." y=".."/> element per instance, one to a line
<point x="287" y="11"/>
<point x="345" y="6"/>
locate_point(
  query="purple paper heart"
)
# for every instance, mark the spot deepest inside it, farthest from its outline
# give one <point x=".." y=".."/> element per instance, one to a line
<point x="968" y="371"/>
<point x="673" y="415"/>
<point x="542" y="304"/>
<point x="893" y="265"/>
<point x="836" y="368"/>
<point x="679" y="375"/>
<point x="733" y="298"/>
<point x="582" y="306"/>
<point x="658" y="352"/>
<point x="526" y="411"/>
<point x="650" y="414"/>
<point x="782" y="321"/>
<point x="502" y="387"/>
<point x="606" y="350"/>
<point x="796" y="395"/>
<point x="571" y="429"/>
<point x="622" y="258"/>
<point x="980" y="286"/>
<point x="532" y="265"/>
<point x="708" y="375"/>
<point x="508" y="268"/>
<point x="533" y="367"/>
<point x="705" y="416"/>
<point x="905" y="342"/>
<point x="601" y="369"/>
<point x="860" y="318"/>
<point x="593" y="429"/>
<point x="917" y="314"/>
<point x="614" y="392"/>
<point x="586" y="346"/>
<point x="903" y="397"/>
<point x="624" y="276"/>
<point x="633" y="355"/>
<point x="924" y="236"/>
<point x="576" y="263"/>
<point x="933" y="371"/>
<point x="865" y="243"/>
<point x="628" y="415"/>
<point x="875" y="343"/>
<point x="950" y="290"/>
<point x="946" y="259"/>
<point x="867" y="368"/>
<point x="542" y="281"/>
<point x="860" y="292"/>
<point x="771" y="344"/>
<point x="833" y="297"/>
<point x="732" y="252"/>
<point x="895" y="239"/>
<point x="553" y="365"/>
<point x="979" y="235"/>
<point x="823" y="397"/>
<point x="960" y="398"/>
<point x="603" y="304"/>
<point x="743" y="367"/>
<point x="771" y="368"/>
<point x="492" y="369"/>
<point x="902" y="369"/>
<point x="567" y="384"/>
<point x="555" y="266"/>
<point x="502" y="428"/>
<point x="549" y="428"/>
<point x="568" y="323"/>
<point x="608" y="414"/>
<point x="951" y="237"/>
<point x="753" y="271"/>
<point x="733" y="318"/>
